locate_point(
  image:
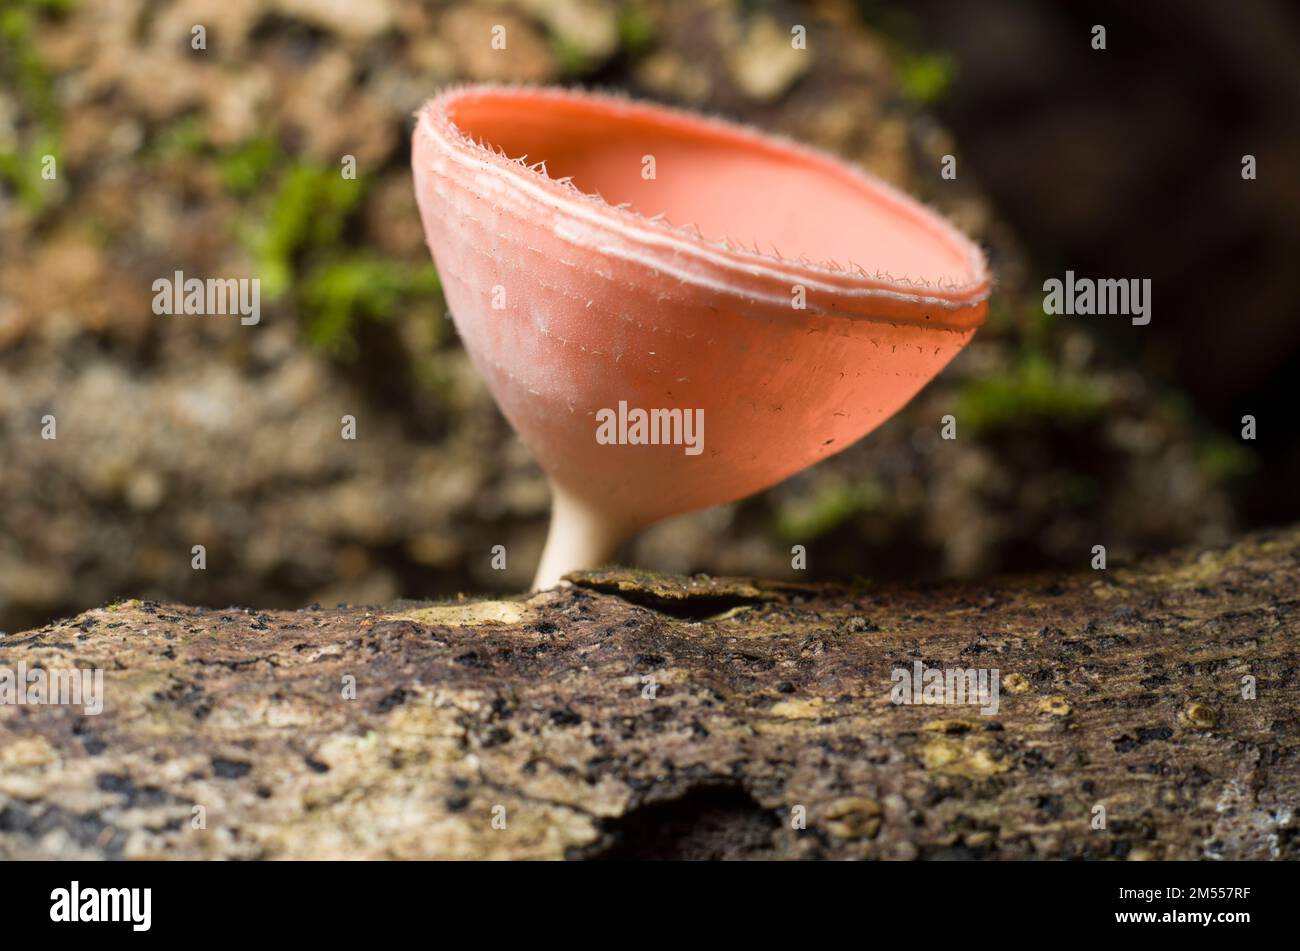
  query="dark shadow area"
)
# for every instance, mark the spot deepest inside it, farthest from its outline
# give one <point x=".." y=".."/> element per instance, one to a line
<point x="708" y="823"/>
<point x="1127" y="162"/>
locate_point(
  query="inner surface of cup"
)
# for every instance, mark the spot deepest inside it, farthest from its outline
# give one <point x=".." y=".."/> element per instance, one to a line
<point x="754" y="191"/>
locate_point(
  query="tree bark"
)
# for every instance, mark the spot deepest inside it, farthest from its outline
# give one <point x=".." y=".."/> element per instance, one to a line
<point x="1150" y="711"/>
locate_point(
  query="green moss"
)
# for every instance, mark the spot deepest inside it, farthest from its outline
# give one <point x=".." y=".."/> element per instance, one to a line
<point x="20" y="61"/>
<point x="337" y="295"/>
<point x="183" y="137"/>
<point x="1035" y="392"/>
<point x="243" y="168"/>
<point x="307" y="211"/>
<point x="1223" y="459"/>
<point x="299" y="247"/>
<point x="573" y="60"/>
<point x="635" y="31"/>
<point x="20" y="170"/>
<point x="246" y="166"/>
<point x="1220" y="458"/>
<point x="925" y="78"/>
<point x="809" y="518"/>
<point x="53" y="7"/>
<point x="22" y="70"/>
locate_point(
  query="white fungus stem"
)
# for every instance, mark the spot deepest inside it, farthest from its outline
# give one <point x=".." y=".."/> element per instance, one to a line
<point x="579" y="537"/>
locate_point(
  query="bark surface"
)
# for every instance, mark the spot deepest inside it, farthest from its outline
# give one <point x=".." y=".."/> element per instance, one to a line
<point x="649" y="716"/>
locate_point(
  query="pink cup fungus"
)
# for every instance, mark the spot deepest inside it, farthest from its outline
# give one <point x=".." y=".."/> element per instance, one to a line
<point x="613" y="269"/>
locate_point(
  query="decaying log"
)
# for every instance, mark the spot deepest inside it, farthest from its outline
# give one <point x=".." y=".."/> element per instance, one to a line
<point x="1150" y="711"/>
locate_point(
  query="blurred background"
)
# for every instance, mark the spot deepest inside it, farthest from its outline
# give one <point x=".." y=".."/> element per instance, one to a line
<point x="173" y="432"/>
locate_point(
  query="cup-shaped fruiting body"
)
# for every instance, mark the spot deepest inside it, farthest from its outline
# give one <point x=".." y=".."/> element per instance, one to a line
<point x="673" y="311"/>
